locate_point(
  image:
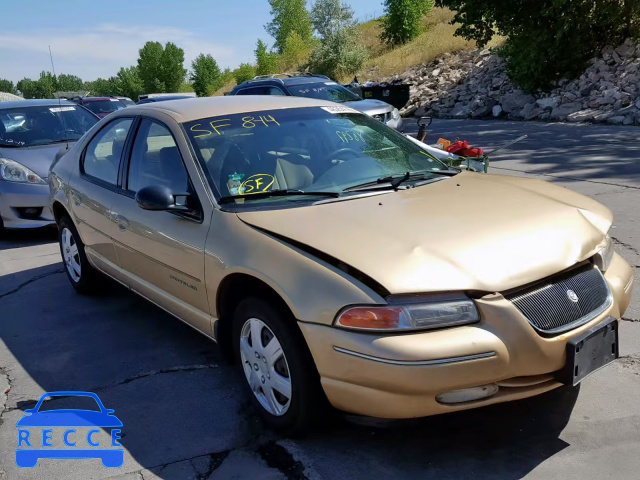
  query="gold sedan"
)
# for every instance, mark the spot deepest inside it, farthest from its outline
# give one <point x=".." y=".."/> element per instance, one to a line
<point x="339" y="262"/>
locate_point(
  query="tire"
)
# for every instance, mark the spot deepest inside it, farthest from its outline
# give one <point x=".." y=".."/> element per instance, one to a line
<point x="268" y="370"/>
<point x="83" y="277"/>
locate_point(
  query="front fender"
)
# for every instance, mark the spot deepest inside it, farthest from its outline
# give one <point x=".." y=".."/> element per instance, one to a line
<point x="313" y="289"/>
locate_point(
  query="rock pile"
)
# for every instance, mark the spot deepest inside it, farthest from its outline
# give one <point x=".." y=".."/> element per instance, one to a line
<point x="474" y="84"/>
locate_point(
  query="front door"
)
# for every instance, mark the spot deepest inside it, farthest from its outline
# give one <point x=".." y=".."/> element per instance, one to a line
<point x="162" y="253"/>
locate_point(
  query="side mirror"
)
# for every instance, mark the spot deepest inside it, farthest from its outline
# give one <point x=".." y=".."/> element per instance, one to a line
<point x="29" y="411"/>
<point x="160" y="198"/>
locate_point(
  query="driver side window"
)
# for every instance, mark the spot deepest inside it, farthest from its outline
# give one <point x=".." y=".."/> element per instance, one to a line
<point x="102" y="155"/>
<point x="156" y="160"/>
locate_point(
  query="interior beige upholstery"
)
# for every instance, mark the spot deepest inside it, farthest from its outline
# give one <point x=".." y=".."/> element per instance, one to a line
<point x="291" y="175"/>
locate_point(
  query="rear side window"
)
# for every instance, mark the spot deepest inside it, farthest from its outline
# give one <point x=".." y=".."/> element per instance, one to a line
<point x="102" y="155"/>
<point x="265" y="90"/>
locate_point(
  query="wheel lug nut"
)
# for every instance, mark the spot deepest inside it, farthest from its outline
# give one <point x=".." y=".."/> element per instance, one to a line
<point x="262" y="379"/>
<point x="257" y="355"/>
<point x="255" y="367"/>
<point x="264" y="359"/>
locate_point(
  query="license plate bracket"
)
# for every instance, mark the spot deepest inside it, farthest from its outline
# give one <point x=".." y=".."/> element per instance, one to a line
<point x="590" y="352"/>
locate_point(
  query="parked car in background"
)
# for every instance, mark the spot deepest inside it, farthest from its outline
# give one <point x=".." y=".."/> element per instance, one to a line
<point x="127" y="101"/>
<point x="101" y="106"/>
<point x="336" y="259"/>
<point x="32" y="132"/>
<point x="163" y="98"/>
<point x="322" y="88"/>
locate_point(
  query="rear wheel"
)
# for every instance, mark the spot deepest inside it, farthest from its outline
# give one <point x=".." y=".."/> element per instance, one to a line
<point x="83" y="277"/>
<point x="278" y="367"/>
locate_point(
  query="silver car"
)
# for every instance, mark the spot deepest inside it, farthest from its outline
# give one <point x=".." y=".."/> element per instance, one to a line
<point x="319" y="87"/>
<point x="32" y="132"/>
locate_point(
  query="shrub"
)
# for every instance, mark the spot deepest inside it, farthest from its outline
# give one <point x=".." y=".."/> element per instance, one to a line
<point x="340" y="53"/>
<point x="546" y="39"/>
<point x="401" y="22"/>
<point x="244" y="72"/>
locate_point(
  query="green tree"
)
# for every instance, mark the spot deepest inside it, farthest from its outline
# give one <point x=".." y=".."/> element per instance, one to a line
<point x="69" y="83"/>
<point x="46" y="85"/>
<point x="244" y="72"/>
<point x="101" y="86"/>
<point x="28" y="88"/>
<point x="205" y="75"/>
<point x="329" y="16"/>
<point x="7" y="86"/>
<point x="546" y="39"/>
<point x="127" y="83"/>
<point x="161" y="69"/>
<point x="340" y="53"/>
<point x="172" y="71"/>
<point x="149" y="61"/>
<point x="295" y="53"/>
<point x="401" y="22"/>
<point x="288" y="16"/>
<point x="266" y="61"/>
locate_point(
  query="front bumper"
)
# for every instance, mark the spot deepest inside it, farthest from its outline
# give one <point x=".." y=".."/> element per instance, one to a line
<point x="14" y="196"/>
<point x="399" y="376"/>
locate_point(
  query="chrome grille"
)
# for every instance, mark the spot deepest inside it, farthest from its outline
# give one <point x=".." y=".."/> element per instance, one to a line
<point x="564" y="302"/>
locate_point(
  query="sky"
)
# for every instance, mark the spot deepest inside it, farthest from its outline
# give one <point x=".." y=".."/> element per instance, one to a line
<point x="94" y="38"/>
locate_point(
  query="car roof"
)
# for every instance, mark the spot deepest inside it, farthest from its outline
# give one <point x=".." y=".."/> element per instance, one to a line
<point x="298" y="80"/>
<point x="197" y="108"/>
<point x="42" y="102"/>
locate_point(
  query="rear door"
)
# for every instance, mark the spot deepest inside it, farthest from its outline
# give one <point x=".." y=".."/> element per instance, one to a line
<point x="163" y="252"/>
<point x="94" y="190"/>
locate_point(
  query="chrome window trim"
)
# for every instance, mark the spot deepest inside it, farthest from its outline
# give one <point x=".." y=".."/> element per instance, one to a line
<point x="438" y="361"/>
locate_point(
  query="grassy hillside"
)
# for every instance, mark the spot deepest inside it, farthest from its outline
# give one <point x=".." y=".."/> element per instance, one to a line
<point x="437" y="38"/>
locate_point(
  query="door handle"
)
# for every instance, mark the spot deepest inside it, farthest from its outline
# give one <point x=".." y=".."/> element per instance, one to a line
<point x="122" y="222"/>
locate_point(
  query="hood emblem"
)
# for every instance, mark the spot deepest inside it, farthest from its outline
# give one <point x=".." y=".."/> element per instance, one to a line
<point x="572" y="296"/>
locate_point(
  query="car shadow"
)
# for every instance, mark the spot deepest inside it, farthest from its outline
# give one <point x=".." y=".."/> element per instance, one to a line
<point x="178" y="400"/>
<point x="26" y="238"/>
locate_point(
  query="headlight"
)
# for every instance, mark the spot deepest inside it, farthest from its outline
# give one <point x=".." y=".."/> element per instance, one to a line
<point x="15" y="172"/>
<point x="395" y="114"/>
<point x="602" y="259"/>
<point x="420" y="315"/>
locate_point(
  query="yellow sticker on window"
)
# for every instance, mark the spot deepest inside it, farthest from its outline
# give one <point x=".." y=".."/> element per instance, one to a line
<point x="258" y="183"/>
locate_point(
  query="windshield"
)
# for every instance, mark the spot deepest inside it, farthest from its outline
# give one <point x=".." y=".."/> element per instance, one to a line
<point x="324" y="91"/>
<point x="316" y="149"/>
<point x="127" y="102"/>
<point x="29" y="126"/>
<point x="104" y="106"/>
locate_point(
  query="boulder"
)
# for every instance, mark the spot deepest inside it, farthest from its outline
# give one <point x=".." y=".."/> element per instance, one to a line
<point x="617" y="120"/>
<point x="548" y="102"/>
<point x="515" y="101"/>
<point x="562" y="111"/>
<point x="496" y="111"/>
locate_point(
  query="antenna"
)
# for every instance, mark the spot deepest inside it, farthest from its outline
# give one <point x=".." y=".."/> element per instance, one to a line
<point x="59" y="100"/>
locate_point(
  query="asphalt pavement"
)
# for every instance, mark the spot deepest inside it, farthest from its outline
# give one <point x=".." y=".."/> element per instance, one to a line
<point x="186" y="414"/>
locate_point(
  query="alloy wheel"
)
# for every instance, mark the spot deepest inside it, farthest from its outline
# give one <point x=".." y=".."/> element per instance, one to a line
<point x="70" y="254"/>
<point x="265" y="366"/>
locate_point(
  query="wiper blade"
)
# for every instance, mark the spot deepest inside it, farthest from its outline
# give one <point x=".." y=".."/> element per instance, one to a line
<point x="394" y="181"/>
<point x="277" y="193"/>
<point x="10" y="145"/>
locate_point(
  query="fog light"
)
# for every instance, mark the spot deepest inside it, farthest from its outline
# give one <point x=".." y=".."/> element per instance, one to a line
<point x="468" y="394"/>
<point x="30" y="213"/>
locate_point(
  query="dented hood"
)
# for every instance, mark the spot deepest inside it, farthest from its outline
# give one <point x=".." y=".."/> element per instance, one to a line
<point x="468" y="232"/>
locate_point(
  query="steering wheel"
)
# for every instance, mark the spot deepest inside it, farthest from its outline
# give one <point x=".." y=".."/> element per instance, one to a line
<point x="344" y="150"/>
<point x="65" y="131"/>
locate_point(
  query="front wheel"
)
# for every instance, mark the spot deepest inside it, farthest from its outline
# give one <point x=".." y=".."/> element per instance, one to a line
<point x="278" y="367"/>
<point x="81" y="274"/>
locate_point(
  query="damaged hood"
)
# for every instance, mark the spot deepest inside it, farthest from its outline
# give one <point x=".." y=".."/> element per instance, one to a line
<point x="469" y="232"/>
